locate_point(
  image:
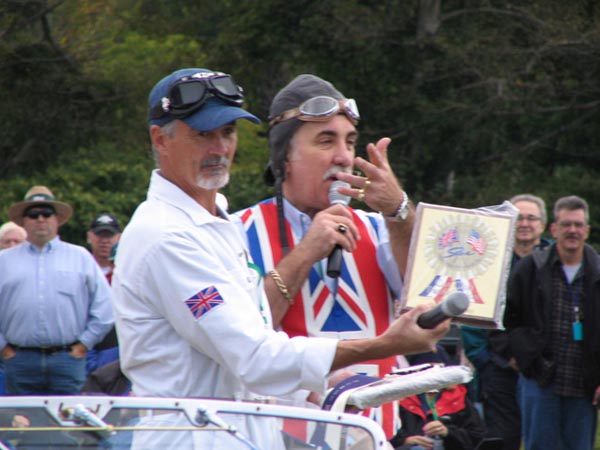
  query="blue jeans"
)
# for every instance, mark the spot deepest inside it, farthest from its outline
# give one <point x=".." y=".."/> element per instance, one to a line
<point x="551" y="421"/>
<point x="30" y="372"/>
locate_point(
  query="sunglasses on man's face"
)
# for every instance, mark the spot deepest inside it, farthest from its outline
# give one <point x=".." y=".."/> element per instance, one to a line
<point x="35" y="213"/>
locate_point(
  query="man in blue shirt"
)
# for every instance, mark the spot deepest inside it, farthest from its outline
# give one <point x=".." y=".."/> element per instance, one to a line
<point x="55" y="302"/>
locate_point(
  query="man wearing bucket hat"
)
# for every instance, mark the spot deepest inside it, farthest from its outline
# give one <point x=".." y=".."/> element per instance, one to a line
<point x="190" y="307"/>
<point x="55" y="302"/>
<point x="312" y="137"/>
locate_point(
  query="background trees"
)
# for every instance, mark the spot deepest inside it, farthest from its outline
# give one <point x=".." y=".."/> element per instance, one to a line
<point x="483" y="99"/>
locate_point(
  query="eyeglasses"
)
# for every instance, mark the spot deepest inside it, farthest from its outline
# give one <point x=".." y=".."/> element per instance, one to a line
<point x="529" y="218"/>
<point x="566" y="224"/>
<point x="188" y="94"/>
<point x="320" y="109"/>
<point x="35" y="213"/>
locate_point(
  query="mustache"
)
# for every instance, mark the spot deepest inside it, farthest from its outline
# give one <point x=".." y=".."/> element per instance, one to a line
<point x="336" y="169"/>
<point x="215" y="161"/>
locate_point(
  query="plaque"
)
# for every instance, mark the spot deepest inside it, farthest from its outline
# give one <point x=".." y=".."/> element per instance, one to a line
<point x="461" y="250"/>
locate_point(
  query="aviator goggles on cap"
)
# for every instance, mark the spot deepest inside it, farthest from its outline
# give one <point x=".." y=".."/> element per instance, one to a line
<point x="188" y="94"/>
<point x="320" y="109"/>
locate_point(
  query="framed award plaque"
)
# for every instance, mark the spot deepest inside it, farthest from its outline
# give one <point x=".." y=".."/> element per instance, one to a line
<point x="461" y="250"/>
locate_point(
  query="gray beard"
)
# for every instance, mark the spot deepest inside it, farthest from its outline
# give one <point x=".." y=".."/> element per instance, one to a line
<point x="211" y="183"/>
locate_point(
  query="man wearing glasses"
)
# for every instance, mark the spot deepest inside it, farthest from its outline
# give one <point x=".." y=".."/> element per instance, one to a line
<point x="55" y="302"/>
<point x="294" y="236"/>
<point x="552" y="318"/>
<point x="488" y="349"/>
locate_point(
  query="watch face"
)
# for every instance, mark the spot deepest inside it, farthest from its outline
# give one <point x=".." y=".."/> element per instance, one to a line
<point x="403" y="213"/>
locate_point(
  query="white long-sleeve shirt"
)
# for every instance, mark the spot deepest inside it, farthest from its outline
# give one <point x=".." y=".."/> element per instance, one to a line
<point x="52" y="296"/>
<point x="188" y="309"/>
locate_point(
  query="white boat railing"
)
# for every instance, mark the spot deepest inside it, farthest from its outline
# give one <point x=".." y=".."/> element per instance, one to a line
<point x="103" y="422"/>
<point x="148" y="423"/>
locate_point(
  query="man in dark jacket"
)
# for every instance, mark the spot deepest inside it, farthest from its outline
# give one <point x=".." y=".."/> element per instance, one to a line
<point x="552" y="314"/>
<point x="488" y="349"/>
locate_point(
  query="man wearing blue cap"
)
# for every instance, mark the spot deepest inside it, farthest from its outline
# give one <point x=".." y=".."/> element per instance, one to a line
<point x="190" y="309"/>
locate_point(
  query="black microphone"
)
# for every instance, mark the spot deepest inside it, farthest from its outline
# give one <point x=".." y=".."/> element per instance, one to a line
<point x="334" y="261"/>
<point x="453" y="305"/>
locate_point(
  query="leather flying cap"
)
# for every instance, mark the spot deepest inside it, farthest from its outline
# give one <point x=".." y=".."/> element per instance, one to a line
<point x="299" y="90"/>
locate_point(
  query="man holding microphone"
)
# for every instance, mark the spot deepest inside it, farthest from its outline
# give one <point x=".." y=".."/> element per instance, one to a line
<point x="295" y="237"/>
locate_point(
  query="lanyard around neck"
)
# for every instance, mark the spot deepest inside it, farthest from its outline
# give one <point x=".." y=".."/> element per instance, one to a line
<point x="431" y="404"/>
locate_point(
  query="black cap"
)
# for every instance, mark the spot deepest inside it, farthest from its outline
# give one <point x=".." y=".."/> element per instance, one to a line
<point x="105" y="222"/>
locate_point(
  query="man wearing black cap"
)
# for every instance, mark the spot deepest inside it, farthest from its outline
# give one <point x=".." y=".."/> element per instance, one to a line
<point x="55" y="302"/>
<point x="189" y="305"/>
<point x="312" y="137"/>
<point x="103" y="235"/>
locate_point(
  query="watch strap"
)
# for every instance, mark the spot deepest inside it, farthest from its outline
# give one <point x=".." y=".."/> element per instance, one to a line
<point x="402" y="211"/>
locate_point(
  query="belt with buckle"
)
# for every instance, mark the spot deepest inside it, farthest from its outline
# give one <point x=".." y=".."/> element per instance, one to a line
<point x="45" y="350"/>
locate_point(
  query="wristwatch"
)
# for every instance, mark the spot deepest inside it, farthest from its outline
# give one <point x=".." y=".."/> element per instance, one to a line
<point x="401" y="212"/>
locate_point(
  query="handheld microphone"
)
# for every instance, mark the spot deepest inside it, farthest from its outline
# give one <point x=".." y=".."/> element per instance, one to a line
<point x="453" y="305"/>
<point x="334" y="261"/>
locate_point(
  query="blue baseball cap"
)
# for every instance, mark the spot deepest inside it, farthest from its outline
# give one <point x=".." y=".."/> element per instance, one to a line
<point x="213" y="114"/>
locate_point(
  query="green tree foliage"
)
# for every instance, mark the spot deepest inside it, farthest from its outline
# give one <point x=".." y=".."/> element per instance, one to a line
<point x="91" y="149"/>
<point x="483" y="99"/>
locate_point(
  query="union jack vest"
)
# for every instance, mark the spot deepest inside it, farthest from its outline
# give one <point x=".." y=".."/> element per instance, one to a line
<point x="362" y="308"/>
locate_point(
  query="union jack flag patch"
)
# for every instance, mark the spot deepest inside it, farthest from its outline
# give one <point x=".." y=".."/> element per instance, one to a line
<point x="204" y="301"/>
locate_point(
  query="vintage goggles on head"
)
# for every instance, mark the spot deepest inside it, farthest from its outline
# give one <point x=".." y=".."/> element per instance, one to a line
<point x="188" y="94"/>
<point x="320" y="109"/>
